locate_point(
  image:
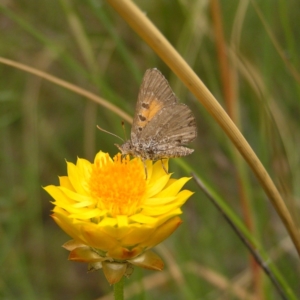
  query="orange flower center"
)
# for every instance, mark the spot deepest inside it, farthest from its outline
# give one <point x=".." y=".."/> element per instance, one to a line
<point x="118" y="186"/>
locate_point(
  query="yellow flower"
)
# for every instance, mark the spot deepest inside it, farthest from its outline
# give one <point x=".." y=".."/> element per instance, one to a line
<point x="113" y="213"/>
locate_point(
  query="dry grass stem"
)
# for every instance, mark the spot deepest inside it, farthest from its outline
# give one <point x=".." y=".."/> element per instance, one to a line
<point x="152" y="36"/>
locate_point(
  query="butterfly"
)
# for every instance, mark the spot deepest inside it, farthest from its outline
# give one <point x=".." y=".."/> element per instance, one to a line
<point x="161" y="125"/>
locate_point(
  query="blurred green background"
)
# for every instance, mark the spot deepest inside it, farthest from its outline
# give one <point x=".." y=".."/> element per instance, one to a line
<point x="42" y="124"/>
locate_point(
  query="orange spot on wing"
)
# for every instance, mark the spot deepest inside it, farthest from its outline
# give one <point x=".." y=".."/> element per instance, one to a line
<point x="154" y="107"/>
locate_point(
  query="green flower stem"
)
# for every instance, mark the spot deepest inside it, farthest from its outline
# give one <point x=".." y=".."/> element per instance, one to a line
<point x="119" y="289"/>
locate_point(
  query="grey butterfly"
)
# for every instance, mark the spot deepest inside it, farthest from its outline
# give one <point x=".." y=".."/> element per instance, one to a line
<point x="161" y="126"/>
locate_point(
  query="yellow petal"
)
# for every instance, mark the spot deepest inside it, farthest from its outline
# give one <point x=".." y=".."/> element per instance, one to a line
<point x="162" y="232"/>
<point x="183" y="196"/>
<point x="101" y="157"/>
<point x="84" y="168"/>
<point x="136" y="235"/>
<point x="156" y="186"/>
<point x="95" y="237"/>
<point x="66" y="225"/>
<point x="76" y="178"/>
<point x="65" y="182"/>
<point x="57" y="194"/>
<point x="108" y="223"/>
<point x="153" y="202"/>
<point x="174" y="188"/>
<point x="164" y="218"/>
<point x="157" y="211"/>
<point x="122" y="221"/>
<point x="143" y="219"/>
<point x="158" y="170"/>
<point x="85" y="214"/>
<point x="74" y="196"/>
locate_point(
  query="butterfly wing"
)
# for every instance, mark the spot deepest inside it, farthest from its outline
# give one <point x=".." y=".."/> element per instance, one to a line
<point x="155" y="94"/>
<point x="174" y="125"/>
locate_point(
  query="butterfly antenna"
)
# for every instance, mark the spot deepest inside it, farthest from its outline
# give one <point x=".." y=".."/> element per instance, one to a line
<point x="109" y="132"/>
<point x="124" y="129"/>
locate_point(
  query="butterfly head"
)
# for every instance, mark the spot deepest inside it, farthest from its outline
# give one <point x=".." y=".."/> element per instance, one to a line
<point x="125" y="148"/>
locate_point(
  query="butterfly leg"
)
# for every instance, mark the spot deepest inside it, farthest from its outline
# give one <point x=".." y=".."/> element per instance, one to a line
<point x="146" y="171"/>
<point x="163" y="165"/>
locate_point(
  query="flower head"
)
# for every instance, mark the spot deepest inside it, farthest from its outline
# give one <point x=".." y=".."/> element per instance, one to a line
<point x="114" y="214"/>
